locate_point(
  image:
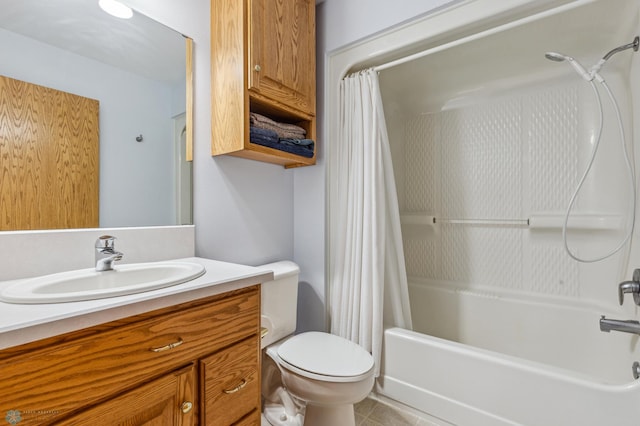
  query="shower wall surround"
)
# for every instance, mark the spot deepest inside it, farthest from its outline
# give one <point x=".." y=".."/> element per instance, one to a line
<point x="505" y="158"/>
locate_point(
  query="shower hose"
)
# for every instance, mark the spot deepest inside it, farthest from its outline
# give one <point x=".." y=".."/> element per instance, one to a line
<point x="630" y="169"/>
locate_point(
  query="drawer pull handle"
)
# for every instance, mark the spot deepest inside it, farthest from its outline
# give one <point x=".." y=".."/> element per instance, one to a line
<point x="167" y="347"/>
<point x="242" y="384"/>
<point x="186" y="407"/>
<point x="263" y="332"/>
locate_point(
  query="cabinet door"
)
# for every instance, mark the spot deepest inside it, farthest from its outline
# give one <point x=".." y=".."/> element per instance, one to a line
<point x="282" y="63"/>
<point x="231" y="384"/>
<point x="169" y="400"/>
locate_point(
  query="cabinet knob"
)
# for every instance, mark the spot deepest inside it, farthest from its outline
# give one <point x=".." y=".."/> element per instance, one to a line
<point x="186" y="407"/>
<point x="257" y="68"/>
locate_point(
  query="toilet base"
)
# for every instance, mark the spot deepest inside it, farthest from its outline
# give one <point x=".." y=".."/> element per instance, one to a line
<point x="276" y="415"/>
<point x="342" y="415"/>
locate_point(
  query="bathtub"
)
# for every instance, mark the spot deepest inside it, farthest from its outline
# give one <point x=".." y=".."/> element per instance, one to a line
<point x="489" y="138"/>
<point x="514" y="361"/>
<point x="464" y="385"/>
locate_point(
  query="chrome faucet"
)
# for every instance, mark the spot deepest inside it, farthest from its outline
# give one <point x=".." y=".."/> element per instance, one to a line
<point x="608" y="324"/>
<point x="105" y="253"/>
<point x="626" y="326"/>
<point x="632" y="287"/>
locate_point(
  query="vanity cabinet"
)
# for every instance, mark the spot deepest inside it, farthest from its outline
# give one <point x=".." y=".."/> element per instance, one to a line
<point x="263" y="61"/>
<point x="174" y="366"/>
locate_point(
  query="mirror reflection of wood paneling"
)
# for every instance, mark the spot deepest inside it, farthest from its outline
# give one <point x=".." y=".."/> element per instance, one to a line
<point x="49" y="157"/>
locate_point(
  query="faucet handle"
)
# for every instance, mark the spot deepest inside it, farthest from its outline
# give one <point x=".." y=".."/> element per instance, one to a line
<point x="632" y="287"/>
<point x="106" y="242"/>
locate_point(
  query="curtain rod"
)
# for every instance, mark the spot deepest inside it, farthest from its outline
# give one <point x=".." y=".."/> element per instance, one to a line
<point x="480" y="35"/>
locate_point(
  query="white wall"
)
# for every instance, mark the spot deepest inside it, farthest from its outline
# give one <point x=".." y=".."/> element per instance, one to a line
<point x="349" y="20"/>
<point x="243" y="209"/>
<point x="131" y="173"/>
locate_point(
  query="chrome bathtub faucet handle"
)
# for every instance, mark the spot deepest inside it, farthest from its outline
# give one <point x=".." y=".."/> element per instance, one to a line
<point x="106" y="253"/>
<point x="632" y="287"/>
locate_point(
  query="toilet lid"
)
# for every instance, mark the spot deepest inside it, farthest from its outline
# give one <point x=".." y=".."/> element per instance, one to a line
<point x="326" y="354"/>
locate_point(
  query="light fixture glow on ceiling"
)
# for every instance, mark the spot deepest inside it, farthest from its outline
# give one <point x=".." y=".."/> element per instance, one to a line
<point x="115" y="8"/>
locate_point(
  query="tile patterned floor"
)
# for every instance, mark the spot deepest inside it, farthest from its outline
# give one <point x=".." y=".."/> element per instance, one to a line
<point x="375" y="413"/>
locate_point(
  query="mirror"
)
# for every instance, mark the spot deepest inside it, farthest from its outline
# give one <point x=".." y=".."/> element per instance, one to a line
<point x="137" y="70"/>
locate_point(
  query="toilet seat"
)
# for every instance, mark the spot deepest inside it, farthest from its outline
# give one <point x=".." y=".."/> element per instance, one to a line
<point x="325" y="357"/>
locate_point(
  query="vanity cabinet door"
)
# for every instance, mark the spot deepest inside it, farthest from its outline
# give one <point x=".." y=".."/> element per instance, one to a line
<point x="169" y="400"/>
<point x="230" y="383"/>
<point x="282" y="52"/>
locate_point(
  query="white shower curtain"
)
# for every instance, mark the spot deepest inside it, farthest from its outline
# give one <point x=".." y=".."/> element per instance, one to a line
<point x="368" y="276"/>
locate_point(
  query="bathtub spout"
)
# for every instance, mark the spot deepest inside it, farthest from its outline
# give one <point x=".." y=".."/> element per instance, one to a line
<point x="607" y="324"/>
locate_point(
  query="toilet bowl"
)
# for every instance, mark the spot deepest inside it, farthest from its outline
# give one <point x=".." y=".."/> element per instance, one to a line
<point x="328" y="373"/>
<point x="312" y="378"/>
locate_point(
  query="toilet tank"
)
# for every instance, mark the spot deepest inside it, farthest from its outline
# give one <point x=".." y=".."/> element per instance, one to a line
<point x="279" y="301"/>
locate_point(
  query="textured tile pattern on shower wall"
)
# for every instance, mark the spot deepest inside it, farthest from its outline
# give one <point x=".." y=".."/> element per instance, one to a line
<point x="421" y="256"/>
<point x="552" y="135"/>
<point x="421" y="164"/>
<point x="489" y="256"/>
<point x="501" y="159"/>
<point x="553" y="271"/>
<point x="481" y="161"/>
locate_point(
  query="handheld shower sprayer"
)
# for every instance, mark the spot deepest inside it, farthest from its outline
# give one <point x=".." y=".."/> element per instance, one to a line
<point x="559" y="57"/>
<point x="589" y="76"/>
<point x="593" y="71"/>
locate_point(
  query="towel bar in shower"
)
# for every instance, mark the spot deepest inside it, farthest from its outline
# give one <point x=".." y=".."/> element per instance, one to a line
<point x="421" y="219"/>
<point x="585" y="222"/>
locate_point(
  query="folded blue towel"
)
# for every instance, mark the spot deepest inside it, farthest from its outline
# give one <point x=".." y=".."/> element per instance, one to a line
<point x="269" y="138"/>
<point x="266" y="135"/>
<point x="301" y="142"/>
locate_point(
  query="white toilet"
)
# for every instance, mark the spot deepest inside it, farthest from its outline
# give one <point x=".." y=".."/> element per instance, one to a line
<point x="312" y="377"/>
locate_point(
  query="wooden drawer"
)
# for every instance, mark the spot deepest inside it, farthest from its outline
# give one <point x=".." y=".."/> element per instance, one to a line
<point x="80" y="372"/>
<point x="230" y="381"/>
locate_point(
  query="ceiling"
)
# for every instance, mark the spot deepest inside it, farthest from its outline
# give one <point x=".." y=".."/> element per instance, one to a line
<point x="139" y="45"/>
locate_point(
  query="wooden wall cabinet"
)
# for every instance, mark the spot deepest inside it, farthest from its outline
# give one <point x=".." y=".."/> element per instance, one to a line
<point x="262" y="60"/>
<point x="195" y="363"/>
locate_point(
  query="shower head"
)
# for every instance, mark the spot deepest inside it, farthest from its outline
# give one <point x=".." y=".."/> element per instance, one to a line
<point x="555" y="56"/>
<point x="559" y="57"/>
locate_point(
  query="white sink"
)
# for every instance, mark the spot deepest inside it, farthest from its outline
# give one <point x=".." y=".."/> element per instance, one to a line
<point x="88" y="284"/>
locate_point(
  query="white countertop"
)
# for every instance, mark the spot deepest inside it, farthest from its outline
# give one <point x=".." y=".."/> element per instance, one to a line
<point x="21" y="324"/>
